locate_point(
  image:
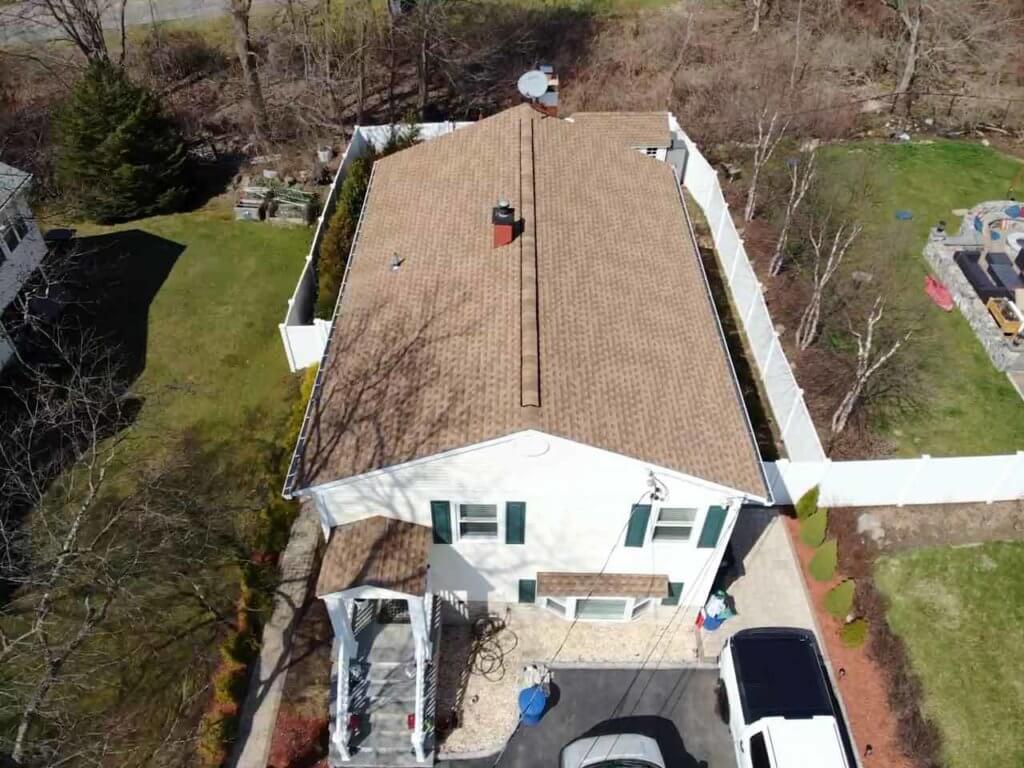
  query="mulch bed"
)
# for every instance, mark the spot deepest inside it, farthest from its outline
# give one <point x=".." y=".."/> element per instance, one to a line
<point x="862" y="683"/>
<point x="299" y="741"/>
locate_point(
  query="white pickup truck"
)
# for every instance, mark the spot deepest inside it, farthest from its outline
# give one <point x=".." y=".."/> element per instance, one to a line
<point x="776" y="695"/>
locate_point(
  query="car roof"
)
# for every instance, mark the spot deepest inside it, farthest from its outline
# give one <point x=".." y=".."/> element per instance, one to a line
<point x="611" y="747"/>
<point x="807" y="743"/>
<point x="779" y="673"/>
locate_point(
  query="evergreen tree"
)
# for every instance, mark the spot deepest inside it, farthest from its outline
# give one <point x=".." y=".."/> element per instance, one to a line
<point x="119" y="155"/>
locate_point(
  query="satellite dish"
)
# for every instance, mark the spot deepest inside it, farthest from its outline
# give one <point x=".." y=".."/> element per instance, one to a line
<point x="533" y="84"/>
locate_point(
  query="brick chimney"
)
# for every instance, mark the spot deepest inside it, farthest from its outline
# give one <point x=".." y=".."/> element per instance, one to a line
<point x="504" y="218"/>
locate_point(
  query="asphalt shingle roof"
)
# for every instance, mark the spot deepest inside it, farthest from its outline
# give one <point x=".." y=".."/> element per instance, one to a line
<point x="437" y="354"/>
<point x="376" y="551"/>
<point x="631" y="129"/>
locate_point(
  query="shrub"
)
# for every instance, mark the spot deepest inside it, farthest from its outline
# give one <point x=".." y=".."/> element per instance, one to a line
<point x="118" y="155"/>
<point x="854" y="633"/>
<point x="812" y="529"/>
<point x="807" y="504"/>
<point x="213" y="738"/>
<point x="839" y="600"/>
<point x="341" y="229"/>
<point x="823" y="563"/>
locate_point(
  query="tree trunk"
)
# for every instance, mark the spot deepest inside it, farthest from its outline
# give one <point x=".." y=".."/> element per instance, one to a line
<point x="250" y="75"/>
<point x="909" y="62"/>
<point x="845" y="409"/>
<point x="423" y="71"/>
<point x="361" y="79"/>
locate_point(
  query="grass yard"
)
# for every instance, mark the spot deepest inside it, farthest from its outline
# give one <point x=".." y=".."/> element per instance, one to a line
<point x="966" y="405"/>
<point x="195" y="299"/>
<point x="961" y="612"/>
<point x="213" y="362"/>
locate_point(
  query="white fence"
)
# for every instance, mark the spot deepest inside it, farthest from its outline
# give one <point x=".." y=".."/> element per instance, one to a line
<point x="923" y="480"/>
<point x="305" y="336"/>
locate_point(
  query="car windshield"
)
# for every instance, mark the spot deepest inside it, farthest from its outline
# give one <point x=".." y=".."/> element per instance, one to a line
<point x="622" y="763"/>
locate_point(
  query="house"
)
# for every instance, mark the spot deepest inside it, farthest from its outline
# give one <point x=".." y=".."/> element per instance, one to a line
<point x="526" y="400"/>
<point x="21" y="245"/>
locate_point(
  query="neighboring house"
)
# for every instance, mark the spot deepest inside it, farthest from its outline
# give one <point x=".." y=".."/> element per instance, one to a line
<point x="522" y="402"/>
<point x="21" y="245"/>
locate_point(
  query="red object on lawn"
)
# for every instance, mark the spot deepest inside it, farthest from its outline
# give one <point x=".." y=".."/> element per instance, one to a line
<point x="938" y="293"/>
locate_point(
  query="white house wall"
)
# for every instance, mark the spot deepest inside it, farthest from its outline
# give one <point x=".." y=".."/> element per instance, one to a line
<point x="578" y="501"/>
<point x="27" y="255"/>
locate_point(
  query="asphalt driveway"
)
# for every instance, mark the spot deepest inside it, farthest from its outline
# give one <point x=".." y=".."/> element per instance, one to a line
<point x="676" y="707"/>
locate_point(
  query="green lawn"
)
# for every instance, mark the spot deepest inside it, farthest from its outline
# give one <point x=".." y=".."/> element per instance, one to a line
<point x="966" y="405"/>
<point x="195" y="299"/>
<point x="214" y="365"/>
<point x="961" y="612"/>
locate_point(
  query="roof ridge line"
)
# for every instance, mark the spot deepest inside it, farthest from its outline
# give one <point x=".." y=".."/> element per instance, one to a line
<point x="529" y="334"/>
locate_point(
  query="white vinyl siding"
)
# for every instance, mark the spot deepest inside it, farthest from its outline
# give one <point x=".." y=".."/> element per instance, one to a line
<point x="674" y="524"/>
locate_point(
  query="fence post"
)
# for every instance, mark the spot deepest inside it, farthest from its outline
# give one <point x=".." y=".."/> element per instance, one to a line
<point x="721" y="222"/>
<point x="768" y="359"/>
<point x="1008" y="473"/>
<point x="734" y="267"/>
<point x="912" y="478"/>
<point x="750" y="310"/>
<point x="796" y="404"/>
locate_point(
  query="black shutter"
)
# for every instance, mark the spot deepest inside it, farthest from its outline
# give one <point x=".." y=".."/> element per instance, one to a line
<point x="675" y="591"/>
<point x="515" y="522"/>
<point x="713" y="522"/>
<point x="637" y="530"/>
<point x="441" y="516"/>
<point x="527" y="591"/>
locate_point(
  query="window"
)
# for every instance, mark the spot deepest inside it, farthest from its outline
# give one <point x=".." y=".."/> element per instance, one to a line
<point x="478" y="521"/>
<point x="10" y="236"/>
<point x="651" y="152"/>
<point x="759" y="752"/>
<point x="555" y="605"/>
<point x="674" y="524"/>
<point x="640" y="606"/>
<point x="20" y="227"/>
<point x="601" y="609"/>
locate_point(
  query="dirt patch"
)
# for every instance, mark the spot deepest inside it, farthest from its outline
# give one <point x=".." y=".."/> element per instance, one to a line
<point x="892" y="529"/>
<point x="862" y="683"/>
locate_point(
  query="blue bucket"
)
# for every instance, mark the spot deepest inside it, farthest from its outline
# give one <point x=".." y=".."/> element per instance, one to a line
<point x="532" y="703"/>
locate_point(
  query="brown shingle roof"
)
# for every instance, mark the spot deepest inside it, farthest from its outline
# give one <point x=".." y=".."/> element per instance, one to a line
<point x="376" y="551"/>
<point x="430" y="357"/>
<point x="631" y="129"/>
<point x="559" y="584"/>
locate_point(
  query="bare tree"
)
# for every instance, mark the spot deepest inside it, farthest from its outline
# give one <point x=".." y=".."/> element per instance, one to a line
<point x="240" y="10"/>
<point x="74" y="546"/>
<point x="933" y="32"/>
<point x="801" y="176"/>
<point x="81" y="22"/>
<point x="822" y="273"/>
<point x="769" y="134"/>
<point x="758" y="10"/>
<point x="868" y="365"/>
<point x="910" y="13"/>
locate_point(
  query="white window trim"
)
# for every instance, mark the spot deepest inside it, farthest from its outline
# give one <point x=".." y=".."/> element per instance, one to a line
<point x="699" y="514"/>
<point x="499" y="519"/>
<point x="631" y="603"/>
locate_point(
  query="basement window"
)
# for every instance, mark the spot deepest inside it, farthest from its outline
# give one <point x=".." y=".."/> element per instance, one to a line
<point x="599" y="608"/>
<point x="478" y="521"/>
<point x="674" y="524"/>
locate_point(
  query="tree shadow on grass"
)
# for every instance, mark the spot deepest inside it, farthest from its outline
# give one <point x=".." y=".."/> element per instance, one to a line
<point x="121" y="274"/>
